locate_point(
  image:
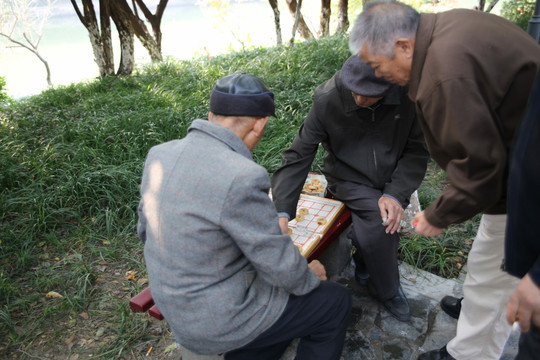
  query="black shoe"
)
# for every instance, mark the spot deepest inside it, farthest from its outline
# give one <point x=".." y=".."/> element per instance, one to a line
<point x="398" y="306"/>
<point x="451" y="305"/>
<point x="440" y="354"/>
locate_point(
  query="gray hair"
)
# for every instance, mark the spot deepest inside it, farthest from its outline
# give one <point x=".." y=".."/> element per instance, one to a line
<point x="379" y="26"/>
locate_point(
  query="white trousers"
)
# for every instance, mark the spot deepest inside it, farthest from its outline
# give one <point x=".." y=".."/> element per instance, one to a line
<point x="482" y="329"/>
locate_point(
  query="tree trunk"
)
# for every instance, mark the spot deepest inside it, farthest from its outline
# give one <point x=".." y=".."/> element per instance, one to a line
<point x="275" y="10"/>
<point x="128" y="25"/>
<point x="324" y="29"/>
<point x="125" y="35"/>
<point x="343" y="17"/>
<point x="155" y="21"/>
<point x="105" y="62"/>
<point x="302" y="27"/>
<point x="491" y="5"/>
<point x="105" y="38"/>
<point x="481" y="4"/>
<point x="137" y="27"/>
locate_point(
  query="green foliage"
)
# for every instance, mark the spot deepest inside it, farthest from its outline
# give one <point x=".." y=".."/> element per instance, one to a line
<point x="72" y="160"/>
<point x="3" y="95"/>
<point x="443" y="255"/>
<point x="518" y="11"/>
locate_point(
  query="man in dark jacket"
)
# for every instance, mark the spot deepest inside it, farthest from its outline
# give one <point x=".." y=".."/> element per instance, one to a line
<point x="376" y="158"/>
<point x="470" y="74"/>
<point x="522" y="237"/>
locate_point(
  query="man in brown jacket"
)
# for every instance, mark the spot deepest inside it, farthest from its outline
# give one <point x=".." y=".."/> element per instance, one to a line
<point x="470" y="74"/>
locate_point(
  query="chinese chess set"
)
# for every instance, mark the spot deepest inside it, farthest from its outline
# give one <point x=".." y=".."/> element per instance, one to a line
<point x="314" y="216"/>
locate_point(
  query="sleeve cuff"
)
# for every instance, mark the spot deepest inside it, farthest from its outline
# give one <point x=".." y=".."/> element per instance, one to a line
<point x="284" y="214"/>
<point x="392" y="197"/>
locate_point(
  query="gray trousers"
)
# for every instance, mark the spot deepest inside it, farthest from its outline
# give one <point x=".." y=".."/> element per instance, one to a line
<point x="376" y="250"/>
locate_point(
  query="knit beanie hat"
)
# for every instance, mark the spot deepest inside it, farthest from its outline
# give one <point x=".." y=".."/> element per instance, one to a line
<point x="242" y="95"/>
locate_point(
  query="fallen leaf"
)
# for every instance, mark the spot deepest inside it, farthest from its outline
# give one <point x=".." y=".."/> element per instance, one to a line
<point x="130" y="275"/>
<point x="69" y="340"/>
<point x="99" y="333"/>
<point x="53" y="295"/>
<point x="84" y="315"/>
<point x="170" y="348"/>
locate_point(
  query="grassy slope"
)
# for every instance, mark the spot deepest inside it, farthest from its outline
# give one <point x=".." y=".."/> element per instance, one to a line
<point x="71" y="164"/>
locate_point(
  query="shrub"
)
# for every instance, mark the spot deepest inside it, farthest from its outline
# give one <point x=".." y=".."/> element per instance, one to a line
<point x="518" y="11"/>
<point x="3" y="96"/>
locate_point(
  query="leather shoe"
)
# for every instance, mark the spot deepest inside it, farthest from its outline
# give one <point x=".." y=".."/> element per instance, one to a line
<point x="440" y="354"/>
<point x="451" y="305"/>
<point x="398" y="306"/>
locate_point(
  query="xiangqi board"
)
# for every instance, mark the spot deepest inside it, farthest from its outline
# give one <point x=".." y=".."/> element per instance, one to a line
<point x="314" y="216"/>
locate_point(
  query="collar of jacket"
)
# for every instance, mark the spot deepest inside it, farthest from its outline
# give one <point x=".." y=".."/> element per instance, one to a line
<point x="392" y="98"/>
<point x="424" y="35"/>
<point x="222" y="134"/>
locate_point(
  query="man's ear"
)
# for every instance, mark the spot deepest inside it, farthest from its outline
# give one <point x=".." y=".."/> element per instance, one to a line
<point x="405" y="47"/>
<point x="259" y="126"/>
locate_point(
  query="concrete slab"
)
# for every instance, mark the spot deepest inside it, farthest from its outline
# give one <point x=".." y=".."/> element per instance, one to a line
<point x="374" y="334"/>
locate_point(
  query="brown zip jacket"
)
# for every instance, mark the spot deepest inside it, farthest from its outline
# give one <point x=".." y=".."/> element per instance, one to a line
<point x="471" y="76"/>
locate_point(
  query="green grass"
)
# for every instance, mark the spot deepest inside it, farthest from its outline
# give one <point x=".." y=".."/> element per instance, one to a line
<point x="72" y="160"/>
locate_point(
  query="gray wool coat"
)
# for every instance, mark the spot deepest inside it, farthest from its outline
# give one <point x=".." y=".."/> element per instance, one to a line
<point x="219" y="268"/>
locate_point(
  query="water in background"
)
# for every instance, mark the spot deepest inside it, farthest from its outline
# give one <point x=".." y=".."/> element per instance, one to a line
<point x="188" y="30"/>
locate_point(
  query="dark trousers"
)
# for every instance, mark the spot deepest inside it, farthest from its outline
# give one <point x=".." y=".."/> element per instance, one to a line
<point x="319" y="319"/>
<point x="529" y="344"/>
<point x="376" y="250"/>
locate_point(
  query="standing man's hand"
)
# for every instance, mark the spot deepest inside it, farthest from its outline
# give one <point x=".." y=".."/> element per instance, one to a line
<point x="284" y="224"/>
<point x="318" y="269"/>
<point x="524" y="304"/>
<point x="391" y="214"/>
<point x="423" y="227"/>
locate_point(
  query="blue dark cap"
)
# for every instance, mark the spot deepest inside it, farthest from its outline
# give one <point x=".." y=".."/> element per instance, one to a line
<point x="360" y="78"/>
<point x="242" y="95"/>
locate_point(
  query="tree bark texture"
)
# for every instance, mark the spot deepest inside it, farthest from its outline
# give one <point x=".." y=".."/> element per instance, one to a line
<point x="275" y="10"/>
<point x="491" y="5"/>
<point x="129" y="24"/>
<point x="303" y="29"/>
<point x="324" y="28"/>
<point x="343" y="17"/>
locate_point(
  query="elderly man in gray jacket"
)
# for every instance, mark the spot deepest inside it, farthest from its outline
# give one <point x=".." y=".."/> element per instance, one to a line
<point x="221" y="271"/>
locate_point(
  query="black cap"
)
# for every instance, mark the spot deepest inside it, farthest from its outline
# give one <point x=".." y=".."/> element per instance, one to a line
<point x="242" y="95"/>
<point x="360" y="78"/>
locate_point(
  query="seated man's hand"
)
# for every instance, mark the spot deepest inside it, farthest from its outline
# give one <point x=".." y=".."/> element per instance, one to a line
<point x="318" y="269"/>
<point x="391" y="214"/>
<point x="423" y="227"/>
